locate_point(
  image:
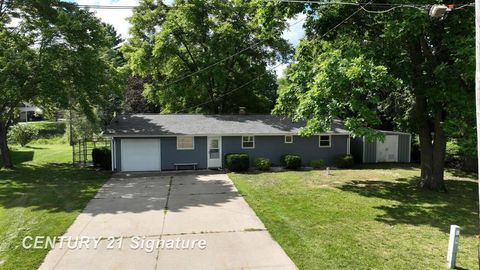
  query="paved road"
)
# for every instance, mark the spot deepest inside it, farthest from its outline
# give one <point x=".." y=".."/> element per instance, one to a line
<point x="168" y="221"/>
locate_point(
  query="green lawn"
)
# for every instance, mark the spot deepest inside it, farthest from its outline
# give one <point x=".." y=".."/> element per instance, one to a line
<point x="370" y="218"/>
<point x="41" y="197"/>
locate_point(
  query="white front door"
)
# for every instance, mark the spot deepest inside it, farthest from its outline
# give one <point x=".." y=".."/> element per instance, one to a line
<point x="388" y="150"/>
<point x="214" y="152"/>
<point x="140" y="154"/>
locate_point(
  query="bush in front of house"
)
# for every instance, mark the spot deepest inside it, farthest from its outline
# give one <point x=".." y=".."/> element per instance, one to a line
<point x="102" y="157"/>
<point x="263" y="164"/>
<point x="293" y="162"/>
<point x="317" y="163"/>
<point x="22" y="134"/>
<point x="344" y="161"/>
<point x="237" y="162"/>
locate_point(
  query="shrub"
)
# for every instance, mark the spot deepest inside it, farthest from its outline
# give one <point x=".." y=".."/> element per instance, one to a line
<point x="262" y="164"/>
<point x="292" y="162"/>
<point x="317" y="163"/>
<point x="22" y="134"/>
<point x="344" y="161"/>
<point x="102" y="157"/>
<point x="237" y="162"/>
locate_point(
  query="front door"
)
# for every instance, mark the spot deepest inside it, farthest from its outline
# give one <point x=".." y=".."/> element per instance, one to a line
<point x="388" y="150"/>
<point x="214" y="152"/>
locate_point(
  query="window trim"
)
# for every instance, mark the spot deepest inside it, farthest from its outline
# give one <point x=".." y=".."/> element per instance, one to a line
<point x="253" y="142"/>
<point x="329" y="141"/>
<point x="285" y="139"/>
<point x="193" y="143"/>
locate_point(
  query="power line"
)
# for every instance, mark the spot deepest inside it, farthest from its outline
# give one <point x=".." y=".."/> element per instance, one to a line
<point x="258" y="43"/>
<point x="274" y="67"/>
<point x="106" y="7"/>
<point x="324" y="3"/>
<point x="235" y="89"/>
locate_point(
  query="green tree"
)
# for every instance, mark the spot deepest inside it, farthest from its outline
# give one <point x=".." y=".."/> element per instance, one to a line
<point x="401" y="67"/>
<point x="168" y="43"/>
<point x="54" y="55"/>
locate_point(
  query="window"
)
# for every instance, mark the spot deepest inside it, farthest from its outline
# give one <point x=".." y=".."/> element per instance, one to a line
<point x="248" y="142"/>
<point x="185" y="143"/>
<point x="325" y="140"/>
<point x="289" y="139"/>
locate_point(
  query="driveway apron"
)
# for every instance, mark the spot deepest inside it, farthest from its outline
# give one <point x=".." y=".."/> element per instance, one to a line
<point x="167" y="221"/>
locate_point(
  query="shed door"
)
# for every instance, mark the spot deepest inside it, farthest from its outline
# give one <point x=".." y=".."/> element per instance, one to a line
<point x="140" y="155"/>
<point x="388" y="150"/>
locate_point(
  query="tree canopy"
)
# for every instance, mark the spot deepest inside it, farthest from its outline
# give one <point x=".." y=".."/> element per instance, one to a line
<point x="401" y="67"/>
<point x="55" y="55"/>
<point x="197" y="52"/>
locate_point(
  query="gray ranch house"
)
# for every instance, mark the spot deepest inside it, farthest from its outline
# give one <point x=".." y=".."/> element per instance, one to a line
<point x="158" y="142"/>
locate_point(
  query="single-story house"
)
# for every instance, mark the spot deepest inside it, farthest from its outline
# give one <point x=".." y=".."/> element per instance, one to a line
<point x="158" y="142"/>
<point x="396" y="147"/>
<point x="29" y="112"/>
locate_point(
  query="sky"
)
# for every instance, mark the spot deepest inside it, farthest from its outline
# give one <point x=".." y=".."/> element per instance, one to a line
<point x="118" y="18"/>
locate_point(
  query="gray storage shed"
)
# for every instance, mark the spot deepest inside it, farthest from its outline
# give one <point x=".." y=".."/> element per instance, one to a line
<point x="395" y="148"/>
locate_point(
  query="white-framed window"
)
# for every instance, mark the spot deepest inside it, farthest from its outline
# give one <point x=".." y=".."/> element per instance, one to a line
<point x="185" y="143"/>
<point x="248" y="142"/>
<point x="325" y="141"/>
<point x="288" y="139"/>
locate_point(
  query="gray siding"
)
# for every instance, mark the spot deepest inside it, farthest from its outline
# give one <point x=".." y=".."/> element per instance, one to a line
<point x="371" y="148"/>
<point x="273" y="147"/>
<point x="403" y="148"/>
<point x="171" y="155"/>
<point x="118" y="155"/>
<point x="370" y="151"/>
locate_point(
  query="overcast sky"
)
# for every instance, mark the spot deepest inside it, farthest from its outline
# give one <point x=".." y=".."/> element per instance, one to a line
<point x="118" y="18"/>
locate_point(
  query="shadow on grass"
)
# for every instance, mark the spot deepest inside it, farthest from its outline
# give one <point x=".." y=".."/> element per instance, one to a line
<point x="461" y="173"/>
<point x="52" y="187"/>
<point x="383" y="166"/>
<point x="19" y="157"/>
<point x="35" y="147"/>
<point x="419" y="207"/>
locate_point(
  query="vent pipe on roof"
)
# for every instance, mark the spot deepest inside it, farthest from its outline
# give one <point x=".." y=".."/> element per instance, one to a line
<point x="242" y="110"/>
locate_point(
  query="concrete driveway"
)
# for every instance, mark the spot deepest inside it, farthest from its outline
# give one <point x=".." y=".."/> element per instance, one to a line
<point x="167" y="221"/>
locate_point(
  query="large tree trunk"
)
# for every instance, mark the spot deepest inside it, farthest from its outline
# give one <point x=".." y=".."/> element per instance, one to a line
<point x="432" y="149"/>
<point x="433" y="140"/>
<point x="7" y="160"/>
<point x="439" y="149"/>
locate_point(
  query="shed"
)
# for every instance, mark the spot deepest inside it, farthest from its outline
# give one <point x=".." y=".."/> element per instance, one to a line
<point x="395" y="148"/>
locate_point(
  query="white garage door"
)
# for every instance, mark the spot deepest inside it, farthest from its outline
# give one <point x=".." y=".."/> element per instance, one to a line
<point x="140" y="155"/>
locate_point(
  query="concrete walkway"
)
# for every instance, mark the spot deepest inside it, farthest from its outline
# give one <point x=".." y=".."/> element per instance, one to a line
<point x="168" y="221"/>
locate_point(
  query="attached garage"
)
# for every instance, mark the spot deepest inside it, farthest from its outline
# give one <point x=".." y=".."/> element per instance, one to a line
<point x="396" y="147"/>
<point x="140" y="155"/>
<point x="164" y="142"/>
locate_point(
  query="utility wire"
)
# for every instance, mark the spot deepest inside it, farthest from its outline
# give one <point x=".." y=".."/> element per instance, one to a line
<point x="271" y="68"/>
<point x="235" y="89"/>
<point x="297" y="1"/>
<point x="256" y="44"/>
<point x="323" y="3"/>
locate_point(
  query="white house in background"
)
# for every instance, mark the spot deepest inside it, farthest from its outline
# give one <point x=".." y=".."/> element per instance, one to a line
<point x="28" y="111"/>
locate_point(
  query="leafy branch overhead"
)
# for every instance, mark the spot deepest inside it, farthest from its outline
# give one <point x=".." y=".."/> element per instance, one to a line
<point x="56" y="55"/>
<point x="387" y="70"/>
<point x="197" y="51"/>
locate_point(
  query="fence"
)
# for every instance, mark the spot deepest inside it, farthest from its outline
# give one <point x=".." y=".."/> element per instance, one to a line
<point x="82" y="150"/>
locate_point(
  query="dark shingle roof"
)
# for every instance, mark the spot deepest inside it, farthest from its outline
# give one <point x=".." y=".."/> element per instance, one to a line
<point x="198" y="124"/>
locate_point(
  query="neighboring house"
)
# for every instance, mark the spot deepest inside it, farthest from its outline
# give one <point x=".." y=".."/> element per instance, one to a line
<point x="396" y="147"/>
<point x="154" y="142"/>
<point x="29" y="112"/>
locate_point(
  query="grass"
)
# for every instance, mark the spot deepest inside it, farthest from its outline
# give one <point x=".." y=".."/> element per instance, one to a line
<point x="367" y="218"/>
<point x="42" y="196"/>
